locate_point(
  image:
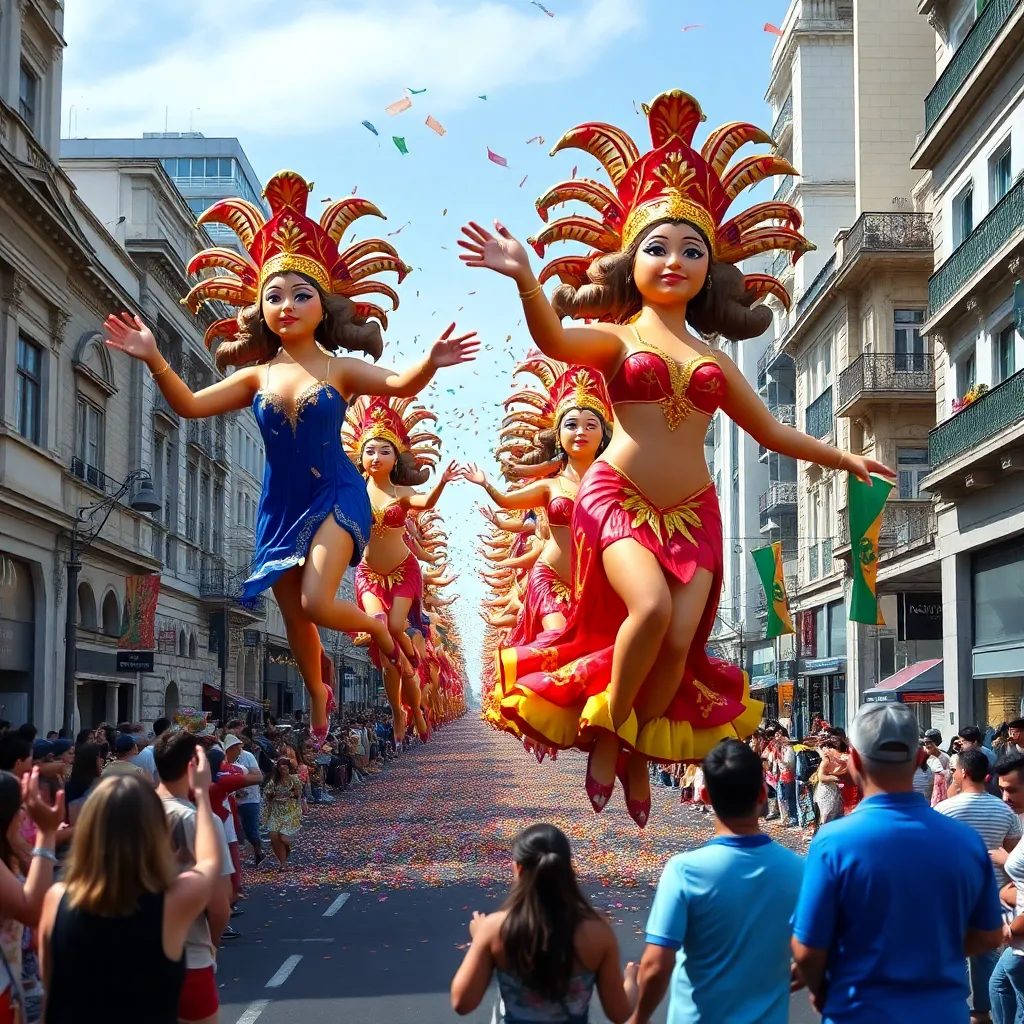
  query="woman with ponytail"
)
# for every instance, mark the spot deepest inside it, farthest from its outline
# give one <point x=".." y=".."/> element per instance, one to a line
<point x="549" y="946"/>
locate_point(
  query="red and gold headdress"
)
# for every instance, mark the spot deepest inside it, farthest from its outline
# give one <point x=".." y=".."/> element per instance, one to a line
<point x="671" y="181"/>
<point x="567" y="387"/>
<point x="393" y="420"/>
<point x="291" y="241"/>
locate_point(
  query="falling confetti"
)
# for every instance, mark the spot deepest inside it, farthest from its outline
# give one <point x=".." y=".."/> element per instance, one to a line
<point x="435" y="125"/>
<point x="399" y="230"/>
<point x="444" y="212"/>
<point x="523" y="182"/>
<point x="574" y="170"/>
<point x="495" y="158"/>
<point x="536" y="3"/>
<point x="398" y="106"/>
<point x="414" y="92"/>
<point x="774" y="30"/>
<point x="482" y="96"/>
<point x="367" y="124"/>
<point x="399" y="141"/>
<point x="539" y="139"/>
<point x="688" y="28"/>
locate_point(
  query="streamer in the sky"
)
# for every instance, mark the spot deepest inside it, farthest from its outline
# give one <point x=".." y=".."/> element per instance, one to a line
<point x="435" y="125"/>
<point x="367" y="124"/>
<point x="495" y="158"/>
<point x="399" y="141"/>
<point x="398" y="106"/>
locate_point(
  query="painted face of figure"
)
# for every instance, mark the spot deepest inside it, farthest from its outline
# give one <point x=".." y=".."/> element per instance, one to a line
<point x="379" y="457"/>
<point x="291" y="306"/>
<point x="671" y="264"/>
<point x="580" y="433"/>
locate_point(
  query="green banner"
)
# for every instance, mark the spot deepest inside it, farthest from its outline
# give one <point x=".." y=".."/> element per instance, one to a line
<point x="865" y="505"/>
<point x="769" y="567"/>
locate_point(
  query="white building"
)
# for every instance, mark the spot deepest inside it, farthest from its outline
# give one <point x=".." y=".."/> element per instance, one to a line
<point x="972" y="148"/>
<point x="846" y="85"/>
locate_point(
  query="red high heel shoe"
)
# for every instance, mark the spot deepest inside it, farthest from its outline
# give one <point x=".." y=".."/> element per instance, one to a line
<point x="638" y="810"/>
<point x="598" y="792"/>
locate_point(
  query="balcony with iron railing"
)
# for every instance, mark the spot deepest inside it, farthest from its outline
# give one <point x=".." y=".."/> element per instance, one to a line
<point x="779" y="500"/>
<point x="813" y="567"/>
<point x="971" y="70"/>
<point x="978" y="436"/>
<point x="978" y="256"/>
<point x="219" y="584"/>
<point x="200" y="435"/>
<point x="786" y="188"/>
<point x="817" y="286"/>
<point x="219" y="448"/>
<point x="784" y="412"/>
<point x="904" y="377"/>
<point x="783" y="122"/>
<point x="190" y="528"/>
<point x="907" y="525"/>
<point x="782" y="264"/>
<point x="818" y="419"/>
<point x="93" y="476"/>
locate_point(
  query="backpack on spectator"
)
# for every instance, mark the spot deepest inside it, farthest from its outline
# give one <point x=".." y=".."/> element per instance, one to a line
<point x="807" y="762"/>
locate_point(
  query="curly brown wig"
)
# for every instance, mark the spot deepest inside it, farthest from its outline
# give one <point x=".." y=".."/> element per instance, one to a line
<point x="547" y="447"/>
<point x="341" y="330"/>
<point x="405" y="472"/>
<point x="723" y="305"/>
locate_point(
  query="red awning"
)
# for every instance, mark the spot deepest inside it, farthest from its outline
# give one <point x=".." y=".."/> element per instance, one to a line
<point x="923" y="677"/>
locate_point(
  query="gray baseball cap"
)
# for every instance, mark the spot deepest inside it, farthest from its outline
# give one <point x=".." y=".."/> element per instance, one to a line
<point x="885" y="732"/>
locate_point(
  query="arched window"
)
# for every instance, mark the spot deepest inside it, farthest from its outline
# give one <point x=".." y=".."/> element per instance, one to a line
<point x="192" y="646"/>
<point x="111" y="615"/>
<point x="171" y="700"/>
<point x="182" y="645"/>
<point x="87" y="607"/>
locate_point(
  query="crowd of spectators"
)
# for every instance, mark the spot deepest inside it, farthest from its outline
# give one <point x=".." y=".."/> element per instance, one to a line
<point x="132" y="845"/>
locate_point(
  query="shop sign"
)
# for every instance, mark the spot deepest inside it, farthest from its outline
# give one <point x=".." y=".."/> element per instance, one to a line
<point x="16" y="642"/>
<point x="920" y="616"/>
<point x="134" y="661"/>
<point x="890" y="697"/>
<point x="823" y="666"/>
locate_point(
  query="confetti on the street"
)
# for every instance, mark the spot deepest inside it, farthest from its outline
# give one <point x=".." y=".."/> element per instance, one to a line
<point x="434" y="125"/>
<point x="367" y="124"/>
<point x="495" y="158"/>
<point x="446" y="813"/>
<point x="398" y="106"/>
<point x="399" y="141"/>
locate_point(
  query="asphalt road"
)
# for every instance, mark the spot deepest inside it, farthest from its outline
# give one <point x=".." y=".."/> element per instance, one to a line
<point x="372" y="923"/>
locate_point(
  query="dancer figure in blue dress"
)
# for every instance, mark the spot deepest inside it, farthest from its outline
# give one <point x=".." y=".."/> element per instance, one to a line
<point x="300" y="312"/>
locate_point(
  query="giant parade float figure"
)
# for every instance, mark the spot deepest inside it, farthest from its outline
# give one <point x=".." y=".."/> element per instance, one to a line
<point x="384" y="438"/>
<point x="302" y="310"/>
<point x="628" y="679"/>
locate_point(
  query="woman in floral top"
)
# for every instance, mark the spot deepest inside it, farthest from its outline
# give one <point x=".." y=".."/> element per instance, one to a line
<point x="283" y="794"/>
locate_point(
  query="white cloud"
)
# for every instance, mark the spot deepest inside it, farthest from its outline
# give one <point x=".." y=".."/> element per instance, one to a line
<point x="322" y="63"/>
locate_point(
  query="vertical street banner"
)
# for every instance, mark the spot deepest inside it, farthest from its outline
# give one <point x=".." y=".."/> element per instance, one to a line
<point x="865" y="505"/>
<point x="140" y="595"/>
<point x="768" y="561"/>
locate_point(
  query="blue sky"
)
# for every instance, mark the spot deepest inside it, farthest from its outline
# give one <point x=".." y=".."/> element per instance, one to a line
<point x="293" y="82"/>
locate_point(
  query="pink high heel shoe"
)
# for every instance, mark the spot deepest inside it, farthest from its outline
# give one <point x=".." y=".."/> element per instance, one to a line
<point x="598" y="792"/>
<point x="638" y="810"/>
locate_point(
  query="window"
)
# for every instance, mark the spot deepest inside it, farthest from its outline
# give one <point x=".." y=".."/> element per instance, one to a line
<point x="89" y="441"/>
<point x="29" y="390"/>
<point x="909" y="344"/>
<point x="28" y="97"/>
<point x="963" y="22"/>
<point x="967" y="373"/>
<point x="911" y="465"/>
<point x="999" y="176"/>
<point x="1006" y="342"/>
<point x="963" y="214"/>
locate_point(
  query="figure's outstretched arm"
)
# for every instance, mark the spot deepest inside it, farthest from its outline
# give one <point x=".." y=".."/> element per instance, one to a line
<point x="507" y="523"/>
<point x="745" y="408"/>
<point x="430" y="499"/>
<point x="355" y="377"/>
<point x="524" y="561"/>
<point x="130" y="335"/>
<point x="599" y="346"/>
<point x="535" y="496"/>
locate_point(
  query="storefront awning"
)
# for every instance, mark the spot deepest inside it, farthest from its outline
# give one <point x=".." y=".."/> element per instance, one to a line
<point x="823" y="666"/>
<point x="762" y="683"/>
<point x="920" y="682"/>
<point x="212" y="693"/>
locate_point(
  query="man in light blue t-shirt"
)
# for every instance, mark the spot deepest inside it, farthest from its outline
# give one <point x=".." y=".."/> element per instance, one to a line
<point x="725" y="964"/>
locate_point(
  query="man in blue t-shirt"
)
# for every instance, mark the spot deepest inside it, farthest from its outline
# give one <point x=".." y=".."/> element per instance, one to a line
<point x="867" y="944"/>
<point x="719" y="926"/>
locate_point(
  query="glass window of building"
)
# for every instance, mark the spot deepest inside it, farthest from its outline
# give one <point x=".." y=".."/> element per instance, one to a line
<point x="999" y="594"/>
<point x="89" y="439"/>
<point x="28" y="390"/>
<point x="907" y="338"/>
<point x="999" y="173"/>
<point x="1006" y="343"/>
<point x="28" y="97"/>
<point x="963" y="214"/>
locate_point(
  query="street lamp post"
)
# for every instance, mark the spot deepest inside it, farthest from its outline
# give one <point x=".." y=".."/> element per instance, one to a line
<point x="143" y="499"/>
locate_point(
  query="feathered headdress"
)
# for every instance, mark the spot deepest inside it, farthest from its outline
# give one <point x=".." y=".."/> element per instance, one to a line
<point x="393" y="420"/>
<point x="291" y="241"/>
<point x="567" y="387"/>
<point x="671" y="181"/>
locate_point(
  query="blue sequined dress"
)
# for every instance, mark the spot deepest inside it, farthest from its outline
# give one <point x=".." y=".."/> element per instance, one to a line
<point x="308" y="477"/>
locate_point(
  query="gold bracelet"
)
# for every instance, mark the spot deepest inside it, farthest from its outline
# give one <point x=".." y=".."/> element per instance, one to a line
<point x="842" y="459"/>
<point x="530" y="292"/>
<point x="163" y="369"/>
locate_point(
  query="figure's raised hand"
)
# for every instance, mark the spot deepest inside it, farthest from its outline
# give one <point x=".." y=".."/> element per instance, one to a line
<point x="474" y="474"/>
<point x="452" y="472"/>
<point x="485" y="510"/>
<point x="863" y="468"/>
<point x="500" y="252"/>
<point x="450" y="351"/>
<point x="128" y="334"/>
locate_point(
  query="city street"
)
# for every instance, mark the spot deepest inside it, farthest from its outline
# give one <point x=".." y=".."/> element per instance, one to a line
<point x="372" y="923"/>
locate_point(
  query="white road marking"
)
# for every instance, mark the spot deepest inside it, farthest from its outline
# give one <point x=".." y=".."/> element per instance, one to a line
<point x="307" y="940"/>
<point x="336" y="905"/>
<point x="253" y="1012"/>
<point x="284" y="971"/>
